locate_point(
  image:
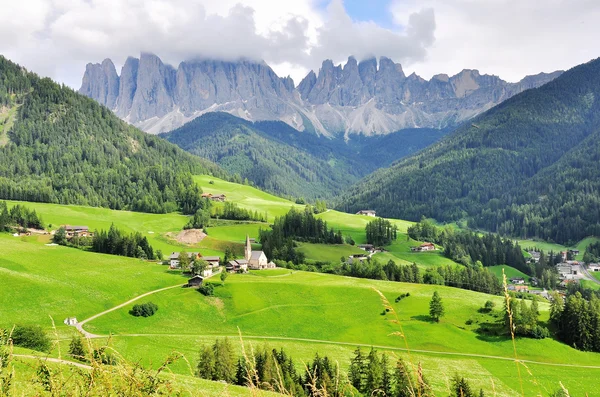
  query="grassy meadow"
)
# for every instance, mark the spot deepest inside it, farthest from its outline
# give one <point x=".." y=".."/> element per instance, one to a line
<point x="309" y="312"/>
<point x="510" y="272"/>
<point x="303" y="312"/>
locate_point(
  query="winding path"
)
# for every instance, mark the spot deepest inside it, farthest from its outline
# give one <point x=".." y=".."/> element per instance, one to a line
<point x="589" y="276"/>
<point x="87" y="334"/>
<point x="53" y="360"/>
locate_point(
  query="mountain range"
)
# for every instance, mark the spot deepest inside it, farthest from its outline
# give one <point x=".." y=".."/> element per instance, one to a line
<point x="369" y="97"/>
<point x="528" y="167"/>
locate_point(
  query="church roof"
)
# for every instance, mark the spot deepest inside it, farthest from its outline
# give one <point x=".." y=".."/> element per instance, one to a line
<point x="256" y="254"/>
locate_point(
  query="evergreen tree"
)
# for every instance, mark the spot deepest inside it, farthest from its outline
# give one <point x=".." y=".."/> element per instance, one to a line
<point x="206" y="365"/>
<point x="436" y="307"/>
<point x="76" y="349"/>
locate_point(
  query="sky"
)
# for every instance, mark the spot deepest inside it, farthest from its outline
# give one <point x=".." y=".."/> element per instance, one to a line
<point x="508" y="38"/>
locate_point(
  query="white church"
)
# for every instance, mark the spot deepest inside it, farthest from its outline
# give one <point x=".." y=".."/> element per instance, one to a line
<point x="257" y="260"/>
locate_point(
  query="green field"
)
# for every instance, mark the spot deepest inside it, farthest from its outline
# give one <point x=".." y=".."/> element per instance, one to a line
<point x="341" y="312"/>
<point x="303" y="312"/>
<point x="247" y="197"/>
<point x="327" y="252"/>
<point x="510" y="272"/>
<point x="39" y="281"/>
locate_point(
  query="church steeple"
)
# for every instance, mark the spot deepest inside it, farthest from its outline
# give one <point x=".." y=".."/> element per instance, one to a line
<point x="248" y="251"/>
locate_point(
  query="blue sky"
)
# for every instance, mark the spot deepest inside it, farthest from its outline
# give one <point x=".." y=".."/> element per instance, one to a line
<point x="369" y="10"/>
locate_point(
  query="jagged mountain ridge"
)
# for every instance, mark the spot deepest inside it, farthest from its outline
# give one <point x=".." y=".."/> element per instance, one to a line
<point x="366" y="97"/>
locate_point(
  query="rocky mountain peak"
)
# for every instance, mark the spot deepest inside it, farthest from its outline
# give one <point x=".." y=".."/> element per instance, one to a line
<point x="361" y="96"/>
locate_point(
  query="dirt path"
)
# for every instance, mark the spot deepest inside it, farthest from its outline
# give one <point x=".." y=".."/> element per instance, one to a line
<point x="80" y="324"/>
<point x="327" y="342"/>
<point x="54" y="360"/>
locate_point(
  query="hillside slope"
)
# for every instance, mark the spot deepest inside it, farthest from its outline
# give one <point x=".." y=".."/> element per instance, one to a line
<point x="66" y="148"/>
<point x="528" y="167"/>
<point x="278" y="158"/>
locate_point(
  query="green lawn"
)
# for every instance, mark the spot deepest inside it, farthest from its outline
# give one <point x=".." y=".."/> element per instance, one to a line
<point x="400" y="252"/>
<point x="541" y="245"/>
<point x="39" y="281"/>
<point x="327" y="252"/>
<point x="354" y="225"/>
<point x="246" y="196"/>
<point x="344" y="310"/>
<point x="153" y="226"/>
<point x="510" y="272"/>
<point x="582" y="245"/>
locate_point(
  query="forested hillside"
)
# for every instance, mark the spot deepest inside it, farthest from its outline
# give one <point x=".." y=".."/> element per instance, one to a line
<point x="528" y="167"/>
<point x="280" y="159"/>
<point x="243" y="148"/>
<point x="66" y="148"/>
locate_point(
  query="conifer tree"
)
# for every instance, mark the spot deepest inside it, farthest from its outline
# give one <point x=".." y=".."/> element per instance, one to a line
<point x="436" y="307"/>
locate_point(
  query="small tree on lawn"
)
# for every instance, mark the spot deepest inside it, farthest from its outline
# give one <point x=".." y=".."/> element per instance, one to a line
<point x="199" y="266"/>
<point x="223" y="276"/>
<point x="184" y="261"/>
<point x="60" y="236"/>
<point x="436" y="307"/>
<point x="76" y="349"/>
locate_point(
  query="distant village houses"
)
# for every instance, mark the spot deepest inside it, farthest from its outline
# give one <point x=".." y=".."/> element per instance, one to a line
<point x="367" y="213"/>
<point x="423" y="247"/>
<point x="253" y="260"/>
<point x="214" y="197"/>
<point x="79" y="231"/>
<point x="517" y="280"/>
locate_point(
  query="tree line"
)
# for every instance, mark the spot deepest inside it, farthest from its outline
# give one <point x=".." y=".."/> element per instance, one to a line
<point x="232" y="211"/>
<point x="368" y="374"/>
<point x="296" y="225"/>
<point x="113" y="242"/>
<point x="469" y="248"/>
<point x="18" y="216"/>
<point x="469" y="278"/>
<point x="381" y="232"/>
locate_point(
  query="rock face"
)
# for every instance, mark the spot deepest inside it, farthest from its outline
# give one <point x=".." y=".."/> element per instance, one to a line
<point x="367" y="97"/>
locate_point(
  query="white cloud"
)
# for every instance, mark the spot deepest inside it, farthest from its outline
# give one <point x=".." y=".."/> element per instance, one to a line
<point x="61" y="36"/>
<point x="509" y="38"/>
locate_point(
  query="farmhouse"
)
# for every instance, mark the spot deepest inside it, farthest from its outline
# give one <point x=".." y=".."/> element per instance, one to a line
<point x="195" y="281"/>
<point x="257" y="260"/>
<point x="518" y="288"/>
<point x="70" y="321"/>
<point x="423" y="247"/>
<point x="517" y="280"/>
<point x="535" y="255"/>
<point x="594" y="267"/>
<point x="357" y="257"/>
<point x="367" y="213"/>
<point x="366" y="247"/>
<point x="174" y="261"/>
<point x="237" y="266"/>
<point x="79" y="231"/>
<point x="214" y="197"/>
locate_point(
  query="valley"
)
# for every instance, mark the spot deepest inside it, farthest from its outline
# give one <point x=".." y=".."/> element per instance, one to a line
<point x="282" y="308"/>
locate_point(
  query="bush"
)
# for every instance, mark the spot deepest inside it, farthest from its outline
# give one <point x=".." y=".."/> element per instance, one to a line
<point x="31" y="337"/>
<point x="487" y="307"/>
<point x="539" y="332"/>
<point x="105" y="357"/>
<point x="207" y="289"/>
<point x="144" y="310"/>
<point x="76" y="348"/>
<point x="402" y="296"/>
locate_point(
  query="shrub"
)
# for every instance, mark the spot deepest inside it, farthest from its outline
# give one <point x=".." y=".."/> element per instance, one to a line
<point x="31" y="337"/>
<point x="206" y="289"/>
<point x="539" y="332"/>
<point x="104" y="356"/>
<point x="76" y="349"/>
<point x="144" y="310"/>
<point x="402" y="296"/>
